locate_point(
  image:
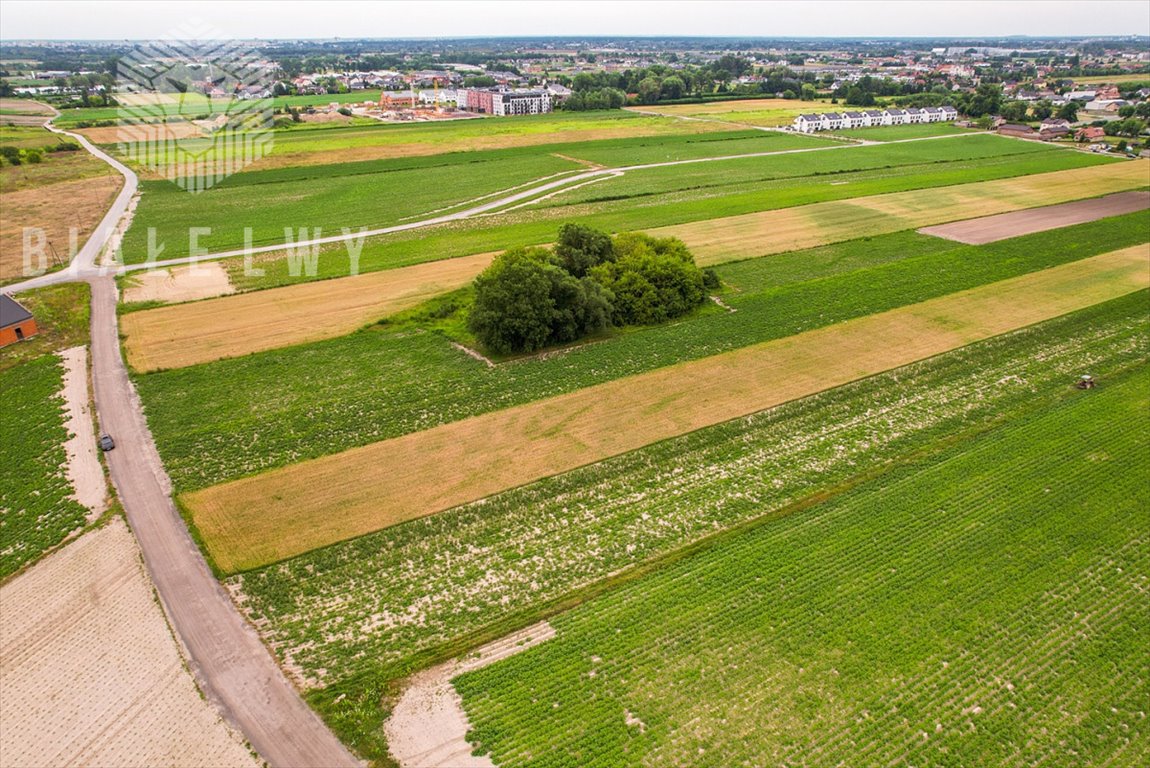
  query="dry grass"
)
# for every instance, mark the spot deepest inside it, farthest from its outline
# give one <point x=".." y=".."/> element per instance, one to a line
<point x="53" y="208"/>
<point x="189" y="334"/>
<point x="112" y="134"/>
<point x="760" y="234"/>
<point x="24" y="107"/>
<point x="285" y="512"/>
<point x="283" y="158"/>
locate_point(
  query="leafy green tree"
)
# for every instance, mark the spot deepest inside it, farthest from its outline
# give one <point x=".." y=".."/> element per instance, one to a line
<point x="672" y="88"/>
<point x="1068" y="111"/>
<point x="1042" y="109"/>
<point x="652" y="279"/>
<point x="524" y="302"/>
<point x="1014" y="111"/>
<point x="581" y="247"/>
<point x="649" y="90"/>
<point x="809" y="92"/>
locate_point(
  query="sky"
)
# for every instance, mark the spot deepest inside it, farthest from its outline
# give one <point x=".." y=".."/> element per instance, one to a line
<point x="149" y="19"/>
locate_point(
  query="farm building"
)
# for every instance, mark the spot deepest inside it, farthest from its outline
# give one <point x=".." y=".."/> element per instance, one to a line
<point x="833" y="121"/>
<point x="16" y="322"/>
<point x="1017" y="130"/>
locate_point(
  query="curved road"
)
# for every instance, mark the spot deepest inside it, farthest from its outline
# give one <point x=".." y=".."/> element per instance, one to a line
<point x="233" y="668"/>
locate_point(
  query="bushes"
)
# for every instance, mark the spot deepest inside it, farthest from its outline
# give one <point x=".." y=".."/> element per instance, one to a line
<point x="530" y="298"/>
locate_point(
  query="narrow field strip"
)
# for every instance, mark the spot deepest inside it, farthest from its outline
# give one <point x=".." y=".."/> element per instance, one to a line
<point x="179" y="336"/>
<point x="189" y="334"/>
<point x="991" y="229"/>
<point x="285" y="512"/>
<point x="715" y="241"/>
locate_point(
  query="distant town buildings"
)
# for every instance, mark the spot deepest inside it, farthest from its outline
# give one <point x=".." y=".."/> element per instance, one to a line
<point x="872" y="118"/>
<point x="504" y="101"/>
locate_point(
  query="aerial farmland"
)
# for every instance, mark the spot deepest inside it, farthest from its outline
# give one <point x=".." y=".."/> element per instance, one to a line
<point x="626" y="423"/>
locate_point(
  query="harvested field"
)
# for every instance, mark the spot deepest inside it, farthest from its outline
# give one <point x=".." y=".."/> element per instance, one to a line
<point x="738" y="105"/>
<point x="196" y="281"/>
<point x="269" y="517"/>
<point x="990" y="229"/>
<point x="174" y="337"/>
<point x="288" y="157"/>
<point x="760" y="234"/>
<point x="112" y="134"/>
<point x="23" y="106"/>
<point x="91" y="674"/>
<point x="54" y="208"/>
<point x="428" y="727"/>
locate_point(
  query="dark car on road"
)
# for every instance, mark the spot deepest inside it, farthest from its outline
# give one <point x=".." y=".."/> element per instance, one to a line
<point x="107" y="443"/>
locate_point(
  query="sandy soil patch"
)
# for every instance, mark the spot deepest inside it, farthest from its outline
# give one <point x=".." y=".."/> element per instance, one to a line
<point x="84" y="469"/>
<point x="195" y="281"/>
<point x="428" y="727"/>
<point x="285" y="512"/>
<point x="53" y="208"/>
<point x="90" y="673"/>
<point x="760" y="234"/>
<point x="990" y="229"/>
<point x="173" y="337"/>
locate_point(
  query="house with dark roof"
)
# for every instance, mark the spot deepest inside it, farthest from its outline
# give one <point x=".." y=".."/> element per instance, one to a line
<point x="16" y="322"/>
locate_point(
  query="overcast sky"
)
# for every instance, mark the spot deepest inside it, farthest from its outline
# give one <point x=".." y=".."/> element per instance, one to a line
<point x="135" y="19"/>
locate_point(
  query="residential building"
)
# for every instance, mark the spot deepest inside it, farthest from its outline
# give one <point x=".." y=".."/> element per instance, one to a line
<point x="504" y="101"/>
<point x="16" y="322"/>
<point x="831" y="121"/>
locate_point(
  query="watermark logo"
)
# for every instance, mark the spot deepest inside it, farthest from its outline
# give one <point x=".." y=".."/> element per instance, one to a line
<point x="194" y="107"/>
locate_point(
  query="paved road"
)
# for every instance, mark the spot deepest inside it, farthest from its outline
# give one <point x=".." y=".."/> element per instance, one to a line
<point x="231" y="665"/>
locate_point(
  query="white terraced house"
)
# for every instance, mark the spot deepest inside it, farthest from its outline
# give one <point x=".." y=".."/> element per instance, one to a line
<point x="833" y="121"/>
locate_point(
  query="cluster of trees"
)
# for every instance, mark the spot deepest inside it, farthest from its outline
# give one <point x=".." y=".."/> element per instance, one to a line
<point x="1131" y="126"/>
<point x="1020" y="111"/>
<point x="601" y="98"/>
<point x="530" y="298"/>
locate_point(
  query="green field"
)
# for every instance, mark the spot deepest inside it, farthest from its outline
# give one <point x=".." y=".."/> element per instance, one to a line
<point x="483" y="569"/>
<point x="982" y="607"/>
<point x="903" y="132"/>
<point x="331" y="202"/>
<point x="223" y="420"/>
<point x="29" y="137"/>
<point x="639" y="200"/>
<point x="38" y="512"/>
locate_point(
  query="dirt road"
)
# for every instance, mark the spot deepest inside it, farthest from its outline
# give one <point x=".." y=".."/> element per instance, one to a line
<point x="234" y="669"/>
<point x="230" y="663"/>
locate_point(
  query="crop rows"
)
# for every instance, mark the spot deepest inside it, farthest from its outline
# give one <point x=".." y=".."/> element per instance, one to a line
<point x="36" y="508"/>
<point x="360" y="607"/>
<point x="270" y="409"/>
<point x="984" y="607"/>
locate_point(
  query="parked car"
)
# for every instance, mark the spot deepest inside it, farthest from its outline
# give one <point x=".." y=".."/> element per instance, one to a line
<point x="107" y="443"/>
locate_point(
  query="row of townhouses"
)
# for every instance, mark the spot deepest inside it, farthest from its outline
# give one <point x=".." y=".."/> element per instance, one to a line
<point x="833" y="121"/>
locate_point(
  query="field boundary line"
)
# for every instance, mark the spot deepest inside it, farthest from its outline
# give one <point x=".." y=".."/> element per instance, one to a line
<point x="426" y="472"/>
